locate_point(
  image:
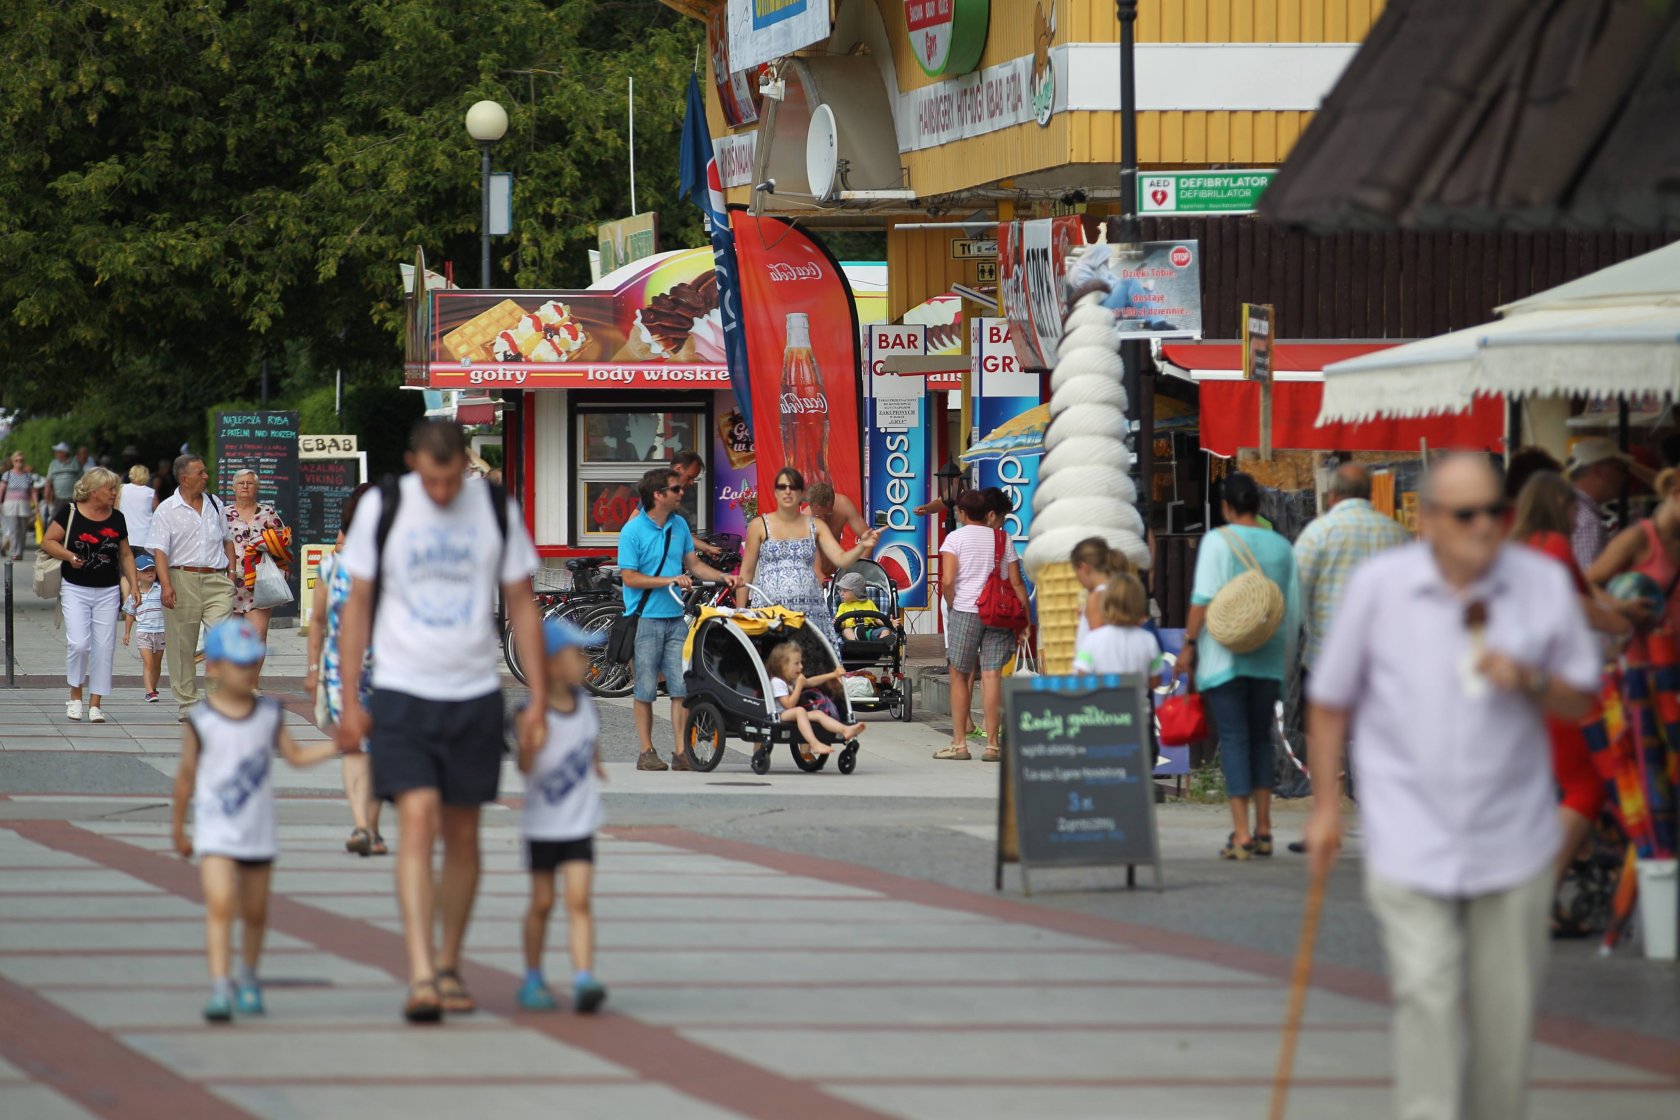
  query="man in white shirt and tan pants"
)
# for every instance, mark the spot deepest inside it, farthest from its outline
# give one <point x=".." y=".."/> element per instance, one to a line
<point x="1445" y="657"/>
<point x="194" y="557"/>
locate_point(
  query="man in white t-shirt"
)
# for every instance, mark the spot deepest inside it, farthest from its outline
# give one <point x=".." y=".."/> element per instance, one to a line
<point x="435" y="722"/>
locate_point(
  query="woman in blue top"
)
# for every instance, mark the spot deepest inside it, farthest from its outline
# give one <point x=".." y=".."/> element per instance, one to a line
<point x="1242" y="689"/>
<point x="332" y="589"/>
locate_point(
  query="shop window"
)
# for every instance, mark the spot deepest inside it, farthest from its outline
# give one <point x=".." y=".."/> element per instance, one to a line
<point x="616" y="443"/>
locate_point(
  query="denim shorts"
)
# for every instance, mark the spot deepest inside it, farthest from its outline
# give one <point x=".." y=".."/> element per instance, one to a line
<point x="659" y="646"/>
<point x="1243" y="711"/>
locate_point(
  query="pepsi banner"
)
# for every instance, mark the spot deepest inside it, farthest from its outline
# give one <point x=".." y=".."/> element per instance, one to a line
<point x="803" y="349"/>
<point x="898" y="477"/>
<point x="1003" y="391"/>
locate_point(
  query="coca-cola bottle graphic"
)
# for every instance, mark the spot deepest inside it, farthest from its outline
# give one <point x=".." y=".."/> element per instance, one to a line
<point x="804" y="405"/>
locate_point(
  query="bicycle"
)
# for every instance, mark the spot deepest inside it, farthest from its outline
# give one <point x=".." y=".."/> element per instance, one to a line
<point x="609" y="678"/>
<point x="586" y="582"/>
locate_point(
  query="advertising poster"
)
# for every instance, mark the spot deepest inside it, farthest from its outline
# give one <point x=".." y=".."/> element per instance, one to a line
<point x="660" y="327"/>
<point x="1155" y="289"/>
<point x="899" y="469"/>
<point x="734" y="469"/>
<point x="803" y="351"/>
<point x="760" y="30"/>
<point x="627" y="240"/>
<point x="1003" y="391"/>
<point x="1032" y="288"/>
<point x="737" y="90"/>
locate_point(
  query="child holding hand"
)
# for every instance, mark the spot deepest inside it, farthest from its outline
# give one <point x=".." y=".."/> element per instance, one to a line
<point x="788" y="683"/>
<point x="227" y="743"/>
<point x="561" y="816"/>
<point x="145" y="617"/>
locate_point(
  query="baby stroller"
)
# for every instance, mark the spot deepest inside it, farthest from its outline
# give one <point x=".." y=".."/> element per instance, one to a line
<point x="728" y="683"/>
<point x="887" y="690"/>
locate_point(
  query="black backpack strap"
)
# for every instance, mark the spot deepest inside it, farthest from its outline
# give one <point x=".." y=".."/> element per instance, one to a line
<point x="390" y="498"/>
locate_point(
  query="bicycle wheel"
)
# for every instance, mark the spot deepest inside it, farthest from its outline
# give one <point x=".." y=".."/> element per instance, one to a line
<point x="510" y="654"/>
<point x="605" y="677"/>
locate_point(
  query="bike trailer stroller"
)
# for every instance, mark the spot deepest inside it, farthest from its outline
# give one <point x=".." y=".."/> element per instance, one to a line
<point x="875" y="661"/>
<point x="728" y="682"/>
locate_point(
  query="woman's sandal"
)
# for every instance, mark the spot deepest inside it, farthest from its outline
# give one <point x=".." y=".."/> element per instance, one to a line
<point x="378" y="848"/>
<point x="992" y="755"/>
<point x="453" y="993"/>
<point x="1233" y="850"/>
<point x="423" y="1004"/>
<point x="1262" y="843"/>
<point x="953" y="752"/>
<point x="360" y="843"/>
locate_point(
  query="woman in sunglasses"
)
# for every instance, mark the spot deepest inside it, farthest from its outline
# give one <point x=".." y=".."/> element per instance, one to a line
<point x="781" y="557"/>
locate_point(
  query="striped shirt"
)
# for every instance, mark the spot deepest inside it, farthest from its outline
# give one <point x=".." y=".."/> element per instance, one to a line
<point x="1591" y="533"/>
<point x="188" y="538"/>
<point x="1326" y="555"/>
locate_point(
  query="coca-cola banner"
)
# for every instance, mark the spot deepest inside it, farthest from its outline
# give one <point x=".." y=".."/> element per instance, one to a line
<point x="1032" y="288"/>
<point x="802" y="350"/>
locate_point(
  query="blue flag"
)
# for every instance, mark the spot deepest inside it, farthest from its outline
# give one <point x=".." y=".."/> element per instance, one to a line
<point x="701" y="182"/>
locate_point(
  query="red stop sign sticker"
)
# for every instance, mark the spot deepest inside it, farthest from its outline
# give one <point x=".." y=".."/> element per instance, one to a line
<point x="1181" y="257"/>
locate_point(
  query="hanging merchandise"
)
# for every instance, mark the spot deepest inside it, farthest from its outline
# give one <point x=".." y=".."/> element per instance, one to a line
<point x="1084" y="483"/>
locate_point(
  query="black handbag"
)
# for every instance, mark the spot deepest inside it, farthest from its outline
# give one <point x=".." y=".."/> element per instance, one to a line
<point x="621" y="639"/>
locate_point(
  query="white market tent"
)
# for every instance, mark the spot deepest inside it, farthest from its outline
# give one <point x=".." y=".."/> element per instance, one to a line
<point x="1615" y="332"/>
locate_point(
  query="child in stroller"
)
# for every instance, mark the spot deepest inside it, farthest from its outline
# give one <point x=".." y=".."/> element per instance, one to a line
<point x="853" y="592"/>
<point x="788" y="684"/>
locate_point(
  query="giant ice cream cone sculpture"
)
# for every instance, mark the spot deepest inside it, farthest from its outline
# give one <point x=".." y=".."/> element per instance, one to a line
<point x="1084" y="488"/>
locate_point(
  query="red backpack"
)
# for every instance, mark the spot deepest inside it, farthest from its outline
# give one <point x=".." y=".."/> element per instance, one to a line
<point x="998" y="604"/>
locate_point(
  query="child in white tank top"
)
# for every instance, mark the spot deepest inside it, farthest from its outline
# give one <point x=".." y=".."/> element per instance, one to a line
<point x="562" y="812"/>
<point x="227" y="748"/>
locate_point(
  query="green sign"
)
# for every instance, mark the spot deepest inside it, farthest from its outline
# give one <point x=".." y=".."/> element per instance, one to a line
<point x="947" y="35"/>
<point x="1202" y="192"/>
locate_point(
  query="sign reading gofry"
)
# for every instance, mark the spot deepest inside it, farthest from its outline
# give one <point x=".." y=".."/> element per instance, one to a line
<point x="947" y="35"/>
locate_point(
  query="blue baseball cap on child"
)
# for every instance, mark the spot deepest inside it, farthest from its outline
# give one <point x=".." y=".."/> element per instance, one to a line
<point x="236" y="642"/>
<point x="143" y="563"/>
<point x="559" y="634"/>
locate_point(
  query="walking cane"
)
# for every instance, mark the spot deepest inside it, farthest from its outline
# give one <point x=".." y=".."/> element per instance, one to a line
<point x="1298" y="992"/>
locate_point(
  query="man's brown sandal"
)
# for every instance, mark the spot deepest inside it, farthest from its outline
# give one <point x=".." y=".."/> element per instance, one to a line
<point x="453" y="994"/>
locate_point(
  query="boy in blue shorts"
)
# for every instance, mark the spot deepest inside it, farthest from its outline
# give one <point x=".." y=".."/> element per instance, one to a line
<point x="562" y="813"/>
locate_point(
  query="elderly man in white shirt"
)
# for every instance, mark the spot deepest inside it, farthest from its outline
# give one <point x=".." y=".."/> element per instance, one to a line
<point x="194" y="558"/>
<point x="1446" y="656"/>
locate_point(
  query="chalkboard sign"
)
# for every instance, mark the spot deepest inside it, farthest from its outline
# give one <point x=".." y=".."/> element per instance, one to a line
<point x="323" y="486"/>
<point x="1078" y="774"/>
<point x="266" y="442"/>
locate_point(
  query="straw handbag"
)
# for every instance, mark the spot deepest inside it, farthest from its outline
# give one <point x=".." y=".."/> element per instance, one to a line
<point x="1246" y="612"/>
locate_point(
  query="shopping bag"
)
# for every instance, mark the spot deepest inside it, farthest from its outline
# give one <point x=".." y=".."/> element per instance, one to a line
<point x="1026" y="662"/>
<point x="271" y="589"/>
<point x="1183" y="719"/>
<point x="48" y="573"/>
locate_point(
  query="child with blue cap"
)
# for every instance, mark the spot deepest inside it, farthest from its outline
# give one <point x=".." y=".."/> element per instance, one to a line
<point x="145" y="617"/>
<point x="561" y="816"/>
<point x="227" y="743"/>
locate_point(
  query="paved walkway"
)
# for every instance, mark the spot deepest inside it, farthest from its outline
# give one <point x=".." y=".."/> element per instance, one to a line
<point x="745" y="983"/>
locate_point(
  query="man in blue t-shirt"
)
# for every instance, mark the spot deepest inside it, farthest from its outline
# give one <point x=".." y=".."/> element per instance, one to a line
<point x="656" y="554"/>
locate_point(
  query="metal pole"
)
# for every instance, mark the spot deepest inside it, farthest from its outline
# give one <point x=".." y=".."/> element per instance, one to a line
<point x="1135" y="353"/>
<point x="11" y="644"/>
<point x="338" y="393"/>
<point x="632" y="99"/>
<point x="483" y="218"/>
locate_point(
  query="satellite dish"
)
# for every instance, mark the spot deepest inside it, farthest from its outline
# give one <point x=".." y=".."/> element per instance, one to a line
<point x="822" y="153"/>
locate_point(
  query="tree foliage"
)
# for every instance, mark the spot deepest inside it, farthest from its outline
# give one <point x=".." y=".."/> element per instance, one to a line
<point x="190" y="186"/>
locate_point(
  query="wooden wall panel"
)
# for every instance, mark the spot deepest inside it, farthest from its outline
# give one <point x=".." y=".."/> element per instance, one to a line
<point x="1380" y="285"/>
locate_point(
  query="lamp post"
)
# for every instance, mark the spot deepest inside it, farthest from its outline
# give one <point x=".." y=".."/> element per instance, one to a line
<point x="487" y="122"/>
<point x="1134" y="354"/>
<point x="951" y="480"/>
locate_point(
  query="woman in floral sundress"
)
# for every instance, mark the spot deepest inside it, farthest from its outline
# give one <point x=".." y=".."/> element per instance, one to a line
<point x="256" y="530"/>
<point x="781" y="557"/>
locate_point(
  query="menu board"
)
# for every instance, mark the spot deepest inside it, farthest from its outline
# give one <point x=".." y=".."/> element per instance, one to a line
<point x="1080" y="754"/>
<point x="266" y="442"/>
<point x="323" y="487"/>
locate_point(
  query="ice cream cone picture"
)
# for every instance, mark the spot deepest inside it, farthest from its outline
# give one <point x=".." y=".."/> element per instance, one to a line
<point x="675" y="324"/>
<point x="1475" y="624"/>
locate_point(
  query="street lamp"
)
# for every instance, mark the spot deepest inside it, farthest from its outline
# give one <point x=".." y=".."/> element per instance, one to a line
<point x="951" y="479"/>
<point x="487" y="122"/>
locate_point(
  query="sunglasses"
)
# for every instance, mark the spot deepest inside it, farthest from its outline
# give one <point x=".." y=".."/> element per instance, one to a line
<point x="1465" y="515"/>
<point x="788" y="486"/>
<point x="673" y="489"/>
